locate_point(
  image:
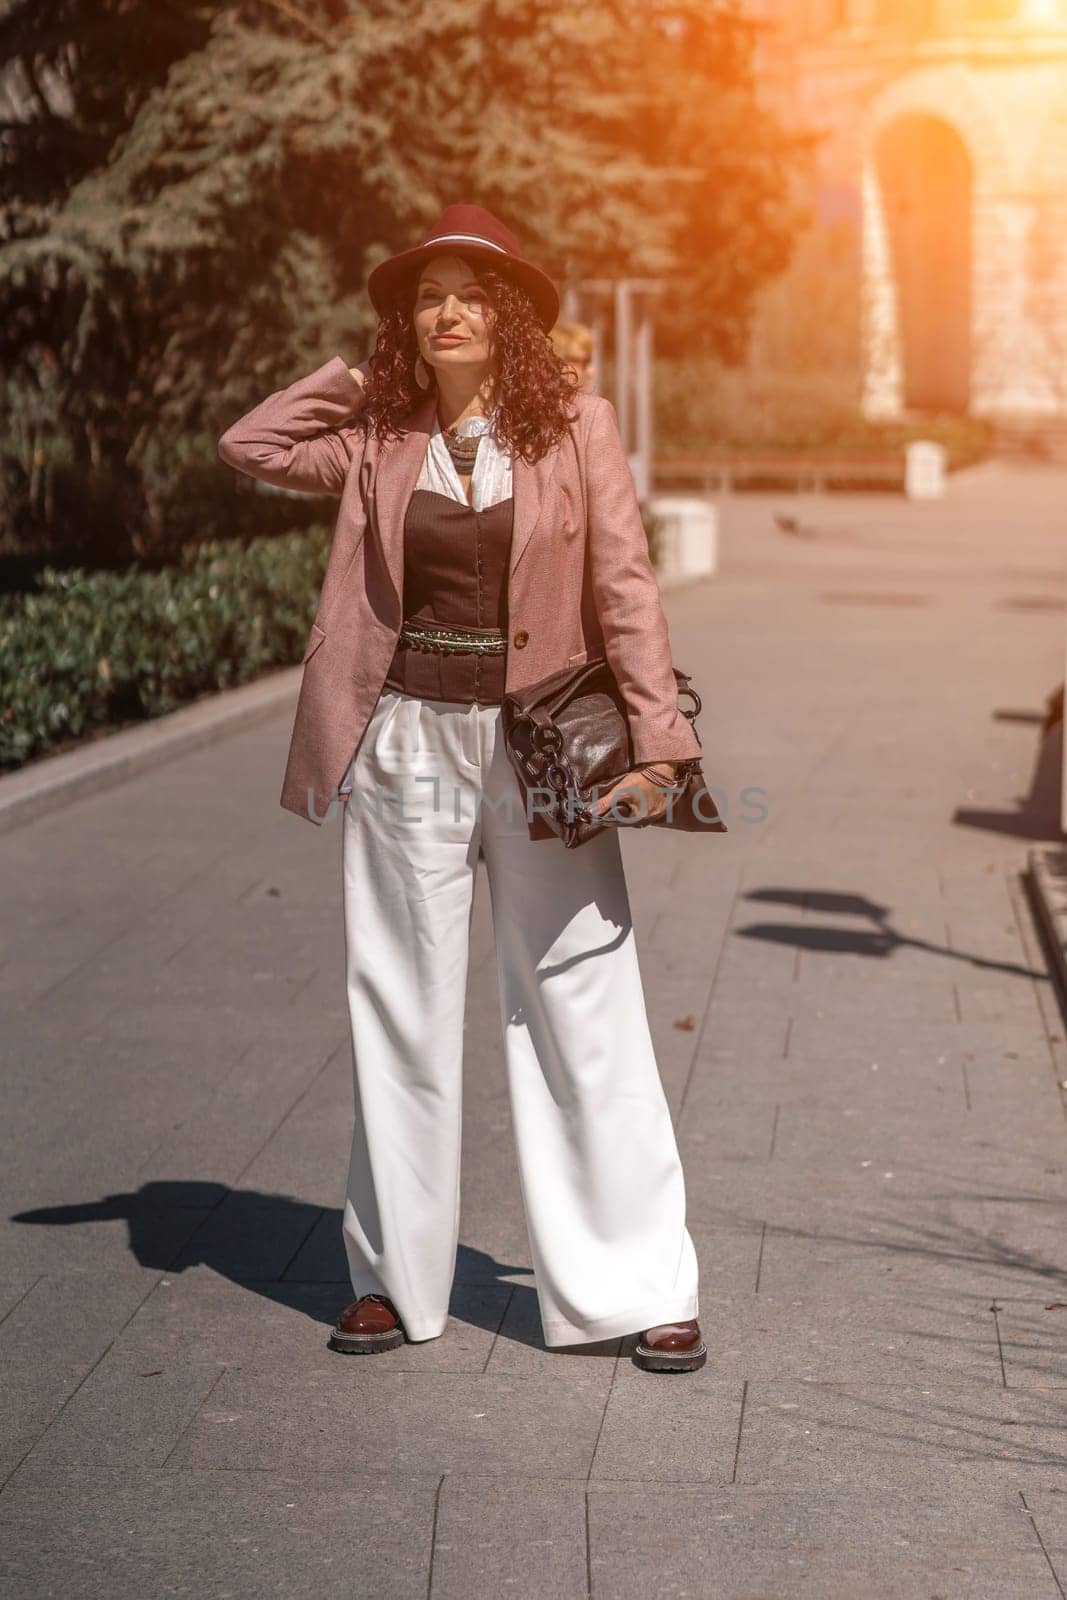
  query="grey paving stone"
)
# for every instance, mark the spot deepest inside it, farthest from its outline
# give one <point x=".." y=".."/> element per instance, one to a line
<point x="200" y="1316"/>
<point x="12" y="1293"/>
<point x="321" y="1258"/>
<point x="812" y="1035"/>
<point x="997" y="1002"/>
<point x="873" y="998"/>
<point x="223" y="1025"/>
<point x="945" y="1195"/>
<point x="673" y="999"/>
<point x="34" y="1394"/>
<point x="743" y="1543"/>
<point x="76" y="1314"/>
<point x="111" y="1107"/>
<point x="520" y="1349"/>
<point x="815" y="1128"/>
<point x="668" y="1427"/>
<point x="837" y="1251"/>
<point x="901" y="1335"/>
<point x="307" y="1153"/>
<point x="106" y="1267"/>
<point x="65" y="963"/>
<point x="1033" y="1334"/>
<point x="850" y="1237"/>
<point x="797" y="1434"/>
<point x="271" y="1418"/>
<point x="875" y="957"/>
<point x="251" y="1234"/>
<point x="1049" y="1515"/>
<point x="726" y="1128"/>
<point x="1009" y="1084"/>
<point x="752" y="963"/>
<point x="129" y="1412"/>
<point x="871" y="1117"/>
<point x="687" y="929"/>
<point x="193" y="979"/>
<point x="240" y="1534"/>
<point x="736" y="1025"/>
<point x="839" y="1256"/>
<point x="1023" y="1229"/>
<point x="729" y="1259"/>
<point x="917" y="1044"/>
<point x="525" y="1540"/>
<point x="875" y="1085"/>
<point x="230" y="1122"/>
<point x="494" y="1244"/>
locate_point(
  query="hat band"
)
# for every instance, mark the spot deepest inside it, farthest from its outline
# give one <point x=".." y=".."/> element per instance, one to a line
<point x="468" y="238"/>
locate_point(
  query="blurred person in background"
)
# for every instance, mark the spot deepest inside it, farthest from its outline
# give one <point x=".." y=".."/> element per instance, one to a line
<point x="573" y="341"/>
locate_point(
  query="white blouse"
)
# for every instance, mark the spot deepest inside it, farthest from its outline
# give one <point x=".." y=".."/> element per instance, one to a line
<point x="490" y="483"/>
<point x="491" y="478"/>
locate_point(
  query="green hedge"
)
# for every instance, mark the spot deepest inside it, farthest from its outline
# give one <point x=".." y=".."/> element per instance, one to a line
<point x="94" y="650"/>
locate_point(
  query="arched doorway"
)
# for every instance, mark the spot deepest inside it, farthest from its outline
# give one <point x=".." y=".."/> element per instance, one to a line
<point x="924" y="174"/>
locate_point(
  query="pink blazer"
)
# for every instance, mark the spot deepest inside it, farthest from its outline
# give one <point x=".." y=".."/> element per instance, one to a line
<point x="580" y="582"/>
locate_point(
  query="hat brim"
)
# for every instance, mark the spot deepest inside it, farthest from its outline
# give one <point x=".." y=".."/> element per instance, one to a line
<point x="390" y="276"/>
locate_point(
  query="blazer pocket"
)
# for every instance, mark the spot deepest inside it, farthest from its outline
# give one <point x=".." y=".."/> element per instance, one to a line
<point x="315" y="638"/>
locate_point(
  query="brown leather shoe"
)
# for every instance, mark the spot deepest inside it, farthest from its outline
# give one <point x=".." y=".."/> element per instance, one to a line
<point x="367" y="1326"/>
<point x="673" y="1347"/>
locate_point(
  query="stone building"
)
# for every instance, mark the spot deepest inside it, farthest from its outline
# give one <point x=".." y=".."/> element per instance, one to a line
<point x="945" y="135"/>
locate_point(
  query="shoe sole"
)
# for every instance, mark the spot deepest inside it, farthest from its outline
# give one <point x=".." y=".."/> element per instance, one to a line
<point x="670" y="1360"/>
<point x="366" y="1344"/>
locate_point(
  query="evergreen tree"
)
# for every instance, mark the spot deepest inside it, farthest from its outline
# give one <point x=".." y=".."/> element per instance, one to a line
<point x="191" y="196"/>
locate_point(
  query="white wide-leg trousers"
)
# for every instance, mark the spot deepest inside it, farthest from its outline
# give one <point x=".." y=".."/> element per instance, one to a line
<point x="599" y="1170"/>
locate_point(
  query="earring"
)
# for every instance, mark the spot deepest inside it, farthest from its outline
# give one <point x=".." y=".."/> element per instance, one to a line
<point x="422" y="377"/>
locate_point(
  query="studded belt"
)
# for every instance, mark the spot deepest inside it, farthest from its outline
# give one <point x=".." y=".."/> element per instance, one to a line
<point x="453" y="640"/>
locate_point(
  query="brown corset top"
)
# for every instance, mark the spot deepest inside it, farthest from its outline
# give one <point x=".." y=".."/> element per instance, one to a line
<point x="455" y="571"/>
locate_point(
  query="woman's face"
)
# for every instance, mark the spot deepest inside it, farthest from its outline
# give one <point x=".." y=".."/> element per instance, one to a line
<point x="452" y="315"/>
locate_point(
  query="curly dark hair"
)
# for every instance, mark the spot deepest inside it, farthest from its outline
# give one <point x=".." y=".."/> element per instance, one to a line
<point x="533" y="382"/>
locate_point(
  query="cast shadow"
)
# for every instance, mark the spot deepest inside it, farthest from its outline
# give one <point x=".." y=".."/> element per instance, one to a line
<point x="285" y="1249"/>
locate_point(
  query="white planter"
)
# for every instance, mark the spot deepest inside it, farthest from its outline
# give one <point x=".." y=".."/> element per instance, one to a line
<point x="688" y="538"/>
<point x="924" y="471"/>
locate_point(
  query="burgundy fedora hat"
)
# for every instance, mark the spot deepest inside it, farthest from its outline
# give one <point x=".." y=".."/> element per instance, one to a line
<point x="474" y="233"/>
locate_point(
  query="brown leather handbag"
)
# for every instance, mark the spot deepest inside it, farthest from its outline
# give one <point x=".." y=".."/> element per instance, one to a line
<point x="568" y="736"/>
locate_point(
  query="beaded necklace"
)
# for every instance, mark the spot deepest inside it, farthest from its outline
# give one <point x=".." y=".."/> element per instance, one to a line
<point x="462" y="441"/>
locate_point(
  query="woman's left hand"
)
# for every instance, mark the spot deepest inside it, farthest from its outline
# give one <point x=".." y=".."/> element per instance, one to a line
<point x="637" y="796"/>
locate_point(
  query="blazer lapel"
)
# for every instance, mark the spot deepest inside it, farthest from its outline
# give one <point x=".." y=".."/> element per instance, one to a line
<point x="399" y="464"/>
<point x="529" y="485"/>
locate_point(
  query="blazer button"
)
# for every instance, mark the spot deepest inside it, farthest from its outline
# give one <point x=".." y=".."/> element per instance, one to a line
<point x="520" y="639"/>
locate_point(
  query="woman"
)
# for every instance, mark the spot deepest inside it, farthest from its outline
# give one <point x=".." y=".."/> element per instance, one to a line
<point x="488" y="534"/>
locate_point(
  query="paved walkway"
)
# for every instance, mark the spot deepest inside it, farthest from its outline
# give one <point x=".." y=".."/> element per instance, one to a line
<point x="863" y="1053"/>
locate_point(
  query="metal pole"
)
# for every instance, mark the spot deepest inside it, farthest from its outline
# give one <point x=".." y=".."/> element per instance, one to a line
<point x="643" y="441"/>
<point x="1063" y="759"/>
<point x="623" y="346"/>
<point x="599" y="342"/>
